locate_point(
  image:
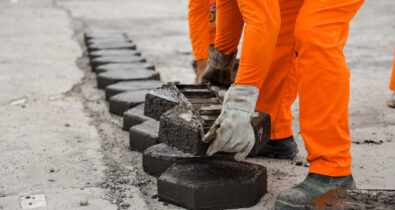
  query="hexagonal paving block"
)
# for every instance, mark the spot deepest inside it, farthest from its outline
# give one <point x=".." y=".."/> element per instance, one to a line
<point x="116" y="59"/>
<point x="134" y="116"/>
<point x="213" y="184"/>
<point x="107" y="78"/>
<point x="123" y="66"/>
<point x="158" y="158"/>
<point x="128" y="86"/>
<point x="99" y="53"/>
<point x="143" y="135"/>
<point x="182" y="129"/>
<point x="341" y="199"/>
<point x="106" y="40"/>
<point x="159" y="101"/>
<point x="115" y="45"/>
<point x="103" y="33"/>
<point x="122" y="102"/>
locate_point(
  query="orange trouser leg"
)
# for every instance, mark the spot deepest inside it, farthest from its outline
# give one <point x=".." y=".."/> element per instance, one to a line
<point x="279" y="89"/>
<point x="324" y="83"/>
<point x="392" y="83"/>
<point x="199" y="27"/>
<point x="229" y="26"/>
<point x="212" y="21"/>
<point x="262" y="25"/>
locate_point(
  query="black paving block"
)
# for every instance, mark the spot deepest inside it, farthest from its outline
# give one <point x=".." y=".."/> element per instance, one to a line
<point x="100" y="53"/>
<point x="159" y="101"/>
<point x="134" y="116"/>
<point x="116" y="45"/>
<point x="107" y="78"/>
<point x="163" y="99"/>
<point x="341" y="199"/>
<point x="116" y="59"/>
<point x="122" y="102"/>
<point x="183" y="129"/>
<point x="158" y="158"/>
<point x="107" y="40"/>
<point x="143" y="135"/>
<point x="129" y="86"/>
<point x="103" y="33"/>
<point x="213" y="184"/>
<point x="123" y="66"/>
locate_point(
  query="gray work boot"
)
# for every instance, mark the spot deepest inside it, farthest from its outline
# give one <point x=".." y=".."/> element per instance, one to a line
<point x="219" y="70"/>
<point x="280" y="148"/>
<point x="391" y="102"/>
<point x="311" y="188"/>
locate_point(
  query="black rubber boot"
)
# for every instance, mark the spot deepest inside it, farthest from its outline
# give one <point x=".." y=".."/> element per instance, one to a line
<point x="280" y="148"/>
<point x="311" y="188"/>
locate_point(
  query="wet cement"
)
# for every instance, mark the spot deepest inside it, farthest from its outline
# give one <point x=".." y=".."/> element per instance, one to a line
<point x="158" y="158"/>
<point x="100" y="53"/>
<point x="129" y="86"/>
<point x="122" y="102"/>
<point x="213" y="184"/>
<point x="123" y="66"/>
<point x="341" y="199"/>
<point x="116" y="59"/>
<point x="143" y="135"/>
<point x="134" y="116"/>
<point x="107" y="78"/>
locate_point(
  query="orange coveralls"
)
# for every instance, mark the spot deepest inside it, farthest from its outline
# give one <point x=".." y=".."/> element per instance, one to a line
<point x="201" y="18"/>
<point x="392" y="83"/>
<point x="317" y="31"/>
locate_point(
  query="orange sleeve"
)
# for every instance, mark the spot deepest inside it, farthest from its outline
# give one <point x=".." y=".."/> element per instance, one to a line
<point x="198" y="18"/>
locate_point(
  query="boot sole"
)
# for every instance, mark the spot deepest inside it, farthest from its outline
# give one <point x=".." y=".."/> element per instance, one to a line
<point x="280" y="205"/>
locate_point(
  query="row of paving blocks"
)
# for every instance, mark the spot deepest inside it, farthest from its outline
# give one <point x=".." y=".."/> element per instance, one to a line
<point x="166" y="123"/>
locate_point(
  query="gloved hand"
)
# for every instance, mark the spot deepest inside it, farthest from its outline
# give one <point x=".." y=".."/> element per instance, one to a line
<point x="219" y="70"/>
<point x="232" y="131"/>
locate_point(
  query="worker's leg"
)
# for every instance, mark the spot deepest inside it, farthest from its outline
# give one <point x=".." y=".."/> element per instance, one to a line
<point x="201" y="21"/>
<point x="391" y="102"/>
<point x="324" y="83"/>
<point x="321" y="32"/>
<point x="212" y="21"/>
<point x="229" y="26"/>
<point x="230" y="23"/>
<point x="262" y="25"/>
<point x="392" y="83"/>
<point x="279" y="89"/>
<point x="199" y="30"/>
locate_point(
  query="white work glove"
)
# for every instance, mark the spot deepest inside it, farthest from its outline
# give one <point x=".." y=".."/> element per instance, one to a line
<point x="232" y="131"/>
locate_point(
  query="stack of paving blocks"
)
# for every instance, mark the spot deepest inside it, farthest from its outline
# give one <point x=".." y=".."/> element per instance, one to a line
<point x="186" y="176"/>
<point x="166" y="123"/>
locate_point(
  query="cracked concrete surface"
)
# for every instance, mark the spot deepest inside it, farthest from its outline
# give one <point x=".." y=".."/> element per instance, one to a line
<point x="58" y="139"/>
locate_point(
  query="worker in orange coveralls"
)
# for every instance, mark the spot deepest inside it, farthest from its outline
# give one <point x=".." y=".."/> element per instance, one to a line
<point x="391" y="102"/>
<point x="201" y="18"/>
<point x="270" y="76"/>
